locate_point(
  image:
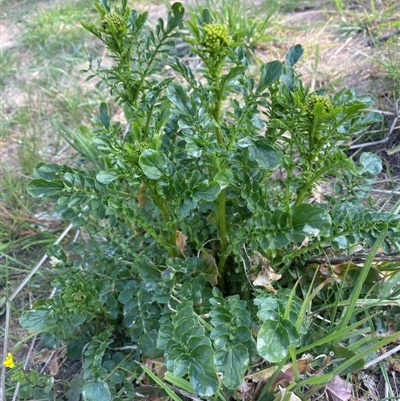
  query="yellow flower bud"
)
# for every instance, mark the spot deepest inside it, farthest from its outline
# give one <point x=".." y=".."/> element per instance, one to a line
<point x="9" y="361"/>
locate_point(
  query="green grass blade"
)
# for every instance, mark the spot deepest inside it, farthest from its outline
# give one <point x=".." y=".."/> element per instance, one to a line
<point x="161" y="384"/>
<point x="360" y="281"/>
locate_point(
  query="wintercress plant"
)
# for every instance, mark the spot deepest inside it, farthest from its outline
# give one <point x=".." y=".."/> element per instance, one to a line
<point x="205" y="210"/>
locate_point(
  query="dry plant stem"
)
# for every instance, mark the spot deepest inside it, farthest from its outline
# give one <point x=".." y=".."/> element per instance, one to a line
<point x="382" y="357"/>
<point x="383" y="191"/>
<point x="384" y="140"/>
<point x="8" y="309"/>
<point x="395" y="256"/>
<point x="185" y="393"/>
<point x="383" y="38"/>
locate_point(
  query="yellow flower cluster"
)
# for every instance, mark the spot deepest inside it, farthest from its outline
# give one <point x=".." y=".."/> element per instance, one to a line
<point x="314" y="99"/>
<point x="9" y="361"/>
<point x="216" y="38"/>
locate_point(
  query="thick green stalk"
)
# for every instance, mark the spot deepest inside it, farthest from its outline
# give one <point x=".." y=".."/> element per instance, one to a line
<point x="221" y="215"/>
<point x="221" y="201"/>
<point x="217" y="116"/>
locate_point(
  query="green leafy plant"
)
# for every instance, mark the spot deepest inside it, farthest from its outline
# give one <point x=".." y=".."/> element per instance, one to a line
<point x="202" y="215"/>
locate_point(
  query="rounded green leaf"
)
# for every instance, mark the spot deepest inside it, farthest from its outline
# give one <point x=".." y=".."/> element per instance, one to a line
<point x="105" y="177"/>
<point x="293" y="335"/>
<point x="48" y="171"/>
<point x="148" y="344"/>
<point x="270" y="72"/>
<point x="273" y="341"/>
<point x="293" y="55"/>
<point x="175" y="18"/>
<point x="225" y="178"/>
<point x="202" y="372"/>
<point x="154" y="164"/>
<point x="40" y="188"/>
<point x="232" y="364"/>
<point x="311" y="220"/>
<point x="96" y="391"/>
<point x="25" y="392"/>
<point x="34" y="319"/>
<point x="370" y="163"/>
<point x="207" y="192"/>
<point x="265" y="155"/>
<point x="117" y="377"/>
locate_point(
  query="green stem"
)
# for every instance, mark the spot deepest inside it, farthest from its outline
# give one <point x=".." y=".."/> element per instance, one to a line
<point x="163" y="207"/>
<point x="149" y="64"/>
<point x="217" y="116"/>
<point x="302" y="193"/>
<point x="127" y="66"/>
<point x="312" y="133"/>
<point x="233" y="135"/>
<point x="146" y="128"/>
<point x="311" y="140"/>
<point x="221" y="201"/>
<point x="289" y="178"/>
<point x="221" y="215"/>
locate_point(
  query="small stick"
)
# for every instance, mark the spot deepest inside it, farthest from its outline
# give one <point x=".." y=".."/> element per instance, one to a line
<point x="355" y="258"/>
<point x="383" y="38"/>
<point x="382" y="357"/>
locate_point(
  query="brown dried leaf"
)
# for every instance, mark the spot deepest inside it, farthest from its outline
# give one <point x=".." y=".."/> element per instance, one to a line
<point x="265" y="374"/>
<point x="43" y="356"/>
<point x="159" y="367"/>
<point x="180" y="240"/>
<point x="267" y="274"/>
<point x="286" y="373"/>
<point x="54" y="367"/>
<point x="211" y="271"/>
<point x="339" y="389"/>
<point x="394" y="364"/>
<point x="49" y="357"/>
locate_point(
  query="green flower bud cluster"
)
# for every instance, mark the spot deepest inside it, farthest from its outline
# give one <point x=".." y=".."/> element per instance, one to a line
<point x="80" y="296"/>
<point x="313" y="99"/>
<point x="115" y="27"/>
<point x="134" y="151"/>
<point x="115" y="19"/>
<point x="142" y="146"/>
<point x="216" y="39"/>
